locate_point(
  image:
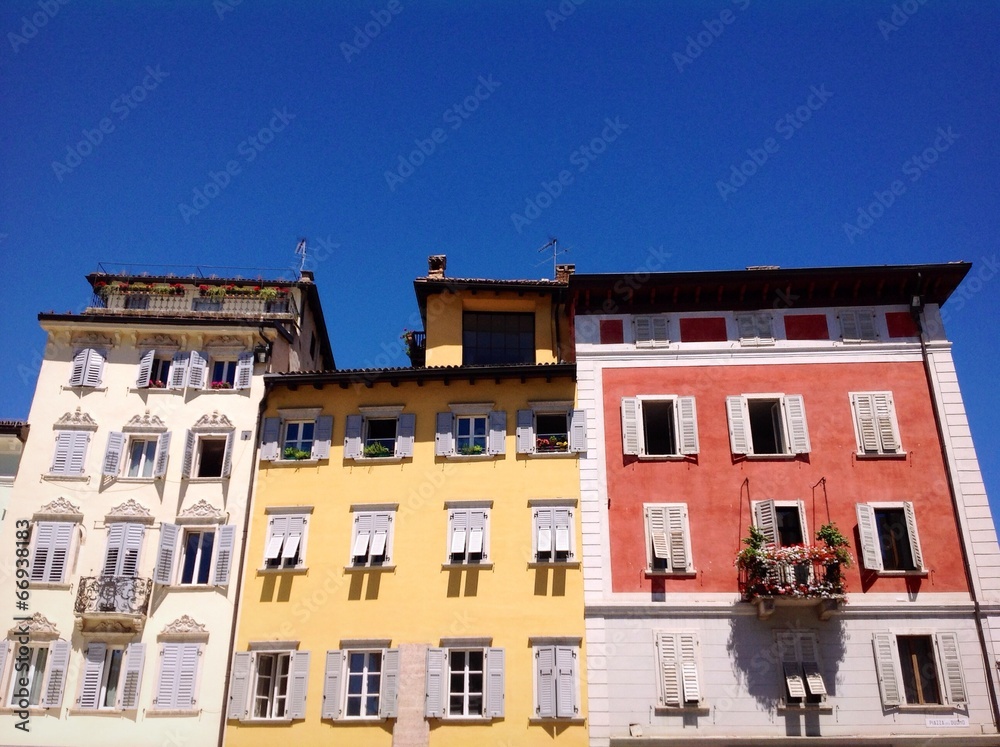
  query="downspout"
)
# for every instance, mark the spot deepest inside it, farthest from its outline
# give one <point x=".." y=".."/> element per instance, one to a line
<point x="917" y="311"/>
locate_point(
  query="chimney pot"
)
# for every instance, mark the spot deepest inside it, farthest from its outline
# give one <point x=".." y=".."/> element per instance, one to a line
<point x="436" y="264"/>
<point x="563" y="272"/>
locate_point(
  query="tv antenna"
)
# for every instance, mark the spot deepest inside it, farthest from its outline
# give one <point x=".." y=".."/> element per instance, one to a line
<point x="553" y="245"/>
<point x="300" y="250"/>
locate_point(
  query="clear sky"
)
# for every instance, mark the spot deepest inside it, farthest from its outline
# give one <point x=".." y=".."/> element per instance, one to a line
<point x="387" y="131"/>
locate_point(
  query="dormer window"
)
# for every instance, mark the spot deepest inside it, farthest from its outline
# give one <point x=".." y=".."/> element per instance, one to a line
<point x="496" y="338"/>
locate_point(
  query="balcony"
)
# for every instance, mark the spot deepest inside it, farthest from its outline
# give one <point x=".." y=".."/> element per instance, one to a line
<point x="112" y="604"/>
<point x="795" y="576"/>
<point x="416" y="347"/>
<point x="197" y="304"/>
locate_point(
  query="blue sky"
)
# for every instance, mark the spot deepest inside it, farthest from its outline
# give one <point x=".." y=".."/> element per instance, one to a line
<point x="387" y="131"/>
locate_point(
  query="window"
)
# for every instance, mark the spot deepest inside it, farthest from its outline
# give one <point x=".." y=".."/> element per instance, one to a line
<point x="677" y="659"/>
<point x="465" y="682"/>
<point x="364" y="681"/>
<point x="555" y="682"/>
<point x="154" y="370"/>
<point x="141" y="456"/>
<point x="875" y="423"/>
<point x="381" y="433"/>
<point x="299" y="437"/>
<point x="192" y="370"/>
<point x="467" y="535"/>
<point x="178" y="675"/>
<point x="650" y="331"/>
<point x="668" y="540"/>
<point x="491" y="338"/>
<point x="361" y="684"/>
<point x="53" y="540"/>
<point x="919" y="669"/>
<point x="551" y="428"/>
<point x="471" y="430"/>
<point x="800" y="664"/>
<point x="372" y="539"/>
<point x="783" y="523"/>
<point x="111" y="677"/>
<point x="858" y="325"/>
<point x="121" y="554"/>
<point x="552" y="533"/>
<point x="34" y="668"/>
<point x="889" y="540"/>
<point x="208" y="455"/>
<point x="211" y="452"/>
<point x="88" y="366"/>
<point x="286" y="536"/>
<point x="203" y="555"/>
<point x="470" y="434"/>
<point x="44" y="667"/>
<point x="755" y="329"/>
<point x="145" y="456"/>
<point x="299" y="434"/>
<point x="223" y="374"/>
<point x="658" y="426"/>
<point x="70" y="453"/>
<point x="763" y="424"/>
<point x="270" y="694"/>
<point x="269" y="685"/>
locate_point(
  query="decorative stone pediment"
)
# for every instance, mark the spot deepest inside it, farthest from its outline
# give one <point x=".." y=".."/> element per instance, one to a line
<point x="164" y="343"/>
<point x="201" y="512"/>
<point x="130" y="511"/>
<point x="226" y="341"/>
<point x="92" y="338"/>
<point x="214" y="421"/>
<point x="76" y="421"/>
<point x="145" y="423"/>
<point x="184" y="627"/>
<point x="38" y="628"/>
<point x="59" y="510"/>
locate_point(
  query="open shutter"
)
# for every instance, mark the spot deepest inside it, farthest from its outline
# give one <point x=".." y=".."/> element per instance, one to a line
<point x="4" y="650"/>
<point x="791" y="667"/>
<point x="331" y="685"/>
<point x="95" y="368"/>
<point x="565" y="681"/>
<point x="113" y="550"/>
<point x="543" y="526"/>
<point x="497" y="442"/>
<point x="670" y="682"/>
<point x="444" y="434"/>
<point x="135" y="656"/>
<point x="882" y="405"/>
<point x="133" y="546"/>
<point x="166" y="688"/>
<point x="951" y="669"/>
<point x="225" y="541"/>
<point x="270" y="434"/>
<point x="187" y="676"/>
<point x="545" y="689"/>
<point x="494" y="682"/>
<point x="293" y="539"/>
<point x="739" y="425"/>
<point x="477" y="534"/>
<point x="77" y="452"/>
<point x="803" y="526"/>
<point x="687" y="419"/>
<point x="459" y="534"/>
<point x="239" y="684"/>
<point x="434" y="683"/>
<point x="864" y="413"/>
<point x="352" y="437"/>
<point x="45" y="532"/>
<point x="178" y="370"/>
<point x="162" y="455"/>
<point x="676" y="530"/>
<point x="809" y="648"/>
<point x="766" y="520"/>
<point x="299" y="684"/>
<point x="189" y="442"/>
<point x="563" y="521"/>
<point x="688" y="643"/>
<point x="887" y="669"/>
<point x="58" y="665"/>
<point x="164" y="572"/>
<point x="525" y="432"/>
<point x="276" y="538"/>
<point x="362" y="536"/>
<point x="79" y="367"/>
<point x="244" y="371"/>
<point x="405" y="430"/>
<point x="656" y="518"/>
<point x="911" y="530"/>
<point x="871" y="554"/>
<point x="145" y="369"/>
<point x="387" y="702"/>
<point x="578" y="431"/>
<point x="380" y="536"/>
<point x="798" y="431"/>
<point x="60" y="458"/>
<point x="198" y="370"/>
<point x="93" y="668"/>
<point x="62" y="539"/>
<point x="227" y="459"/>
<point x="322" y="437"/>
<point x="630" y="426"/>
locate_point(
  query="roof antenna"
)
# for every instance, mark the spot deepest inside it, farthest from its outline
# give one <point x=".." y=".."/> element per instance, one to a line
<point x="553" y="244"/>
<point x="300" y="250"/>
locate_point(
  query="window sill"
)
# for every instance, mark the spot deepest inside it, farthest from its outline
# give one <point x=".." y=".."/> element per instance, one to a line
<point x="115" y="712"/>
<point x="293" y="462"/>
<point x="464" y="719"/>
<point x="378" y="460"/>
<point x="136" y="480"/>
<point x="927" y="707"/>
<point x="84" y="389"/>
<point x="158" y="389"/>
<point x="880" y="455"/>
<point x="896" y="574"/>
<point x="34" y="710"/>
<point x="271" y="571"/>
<point x="389" y="568"/>
<point x="764" y="457"/>
<point x="686" y="708"/>
<point x="190" y="587"/>
<point x="49" y="585"/>
<point x="173" y="712"/>
<point x="756" y="342"/>
<point x="209" y="390"/>
<point x="551" y="454"/>
<point x="65" y="478"/>
<point x="557" y="720"/>
<point x="486" y="566"/>
<point x="650" y="573"/>
<point x="473" y="457"/>
<point x="783" y="707"/>
<point x="554" y="564"/>
<point x="664" y="457"/>
<point x="358" y="720"/>
<point x="264" y="721"/>
<point x="205" y="479"/>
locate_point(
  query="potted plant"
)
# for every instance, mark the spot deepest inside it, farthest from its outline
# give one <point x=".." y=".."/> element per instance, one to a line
<point x="221" y="385"/>
<point x="376" y="450"/>
<point x="157" y="384"/>
<point x="268" y="294"/>
<point x="213" y="291"/>
<point x="297" y="454"/>
<point x="470" y="450"/>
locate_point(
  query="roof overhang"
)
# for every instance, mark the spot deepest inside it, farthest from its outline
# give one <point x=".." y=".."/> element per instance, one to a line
<point x="368" y="377"/>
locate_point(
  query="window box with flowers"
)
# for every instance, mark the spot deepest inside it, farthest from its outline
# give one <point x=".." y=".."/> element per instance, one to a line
<point x="221" y="385"/>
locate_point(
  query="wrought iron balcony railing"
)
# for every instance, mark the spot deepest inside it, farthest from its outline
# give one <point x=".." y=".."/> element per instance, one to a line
<point x="798" y="572"/>
<point x="147" y="303"/>
<point x="116" y="595"/>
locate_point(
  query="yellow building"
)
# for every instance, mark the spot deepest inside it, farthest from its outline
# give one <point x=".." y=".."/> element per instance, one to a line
<point x="419" y="582"/>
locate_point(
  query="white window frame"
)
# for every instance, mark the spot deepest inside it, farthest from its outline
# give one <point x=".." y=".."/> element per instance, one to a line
<point x="184" y="533"/>
<point x="760" y="511"/>
<point x="678" y="658"/>
<point x="754" y="328"/>
<point x="272" y="695"/>
<point x="143" y="461"/>
<point x="229" y="366"/>
<point x="465" y="693"/>
<point x="876" y="430"/>
<point x="945" y="645"/>
<point x="858" y="325"/>
<point x="526" y="439"/>
<point x="558" y="535"/>
<point x="738" y="405"/>
<point x="296" y="443"/>
<point x="561" y="680"/>
<point x="801" y="669"/>
<point x="200" y="439"/>
<point x="651" y="331"/>
<point x="685" y="426"/>
<point x="363" y="694"/>
<point x="31" y="673"/>
<point x="382" y="516"/>
<point x="437" y="682"/>
<point x="673" y="540"/>
<point x="336" y="681"/>
<point x="463" y="513"/>
<point x="246" y="670"/>
<point x="472" y="436"/>
<point x="872" y="556"/>
<point x="102" y="692"/>
<point x="356" y="433"/>
<point x="278" y="535"/>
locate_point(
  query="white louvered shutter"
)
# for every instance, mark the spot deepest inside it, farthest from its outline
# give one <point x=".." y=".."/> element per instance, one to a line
<point x="643" y="326"/>
<point x="132" y="548"/>
<point x="687" y="419"/>
<point x="798" y="430"/>
<point x="494" y="682"/>
<point x="444" y="434"/>
<point x="166" y="688"/>
<point x="435" y="682"/>
<point x="4" y="651"/>
<point x="630" y="426"/>
<point x="688" y="644"/>
<point x="227" y="457"/>
<point x="225" y="544"/>
<point x="77" y="452"/>
<point x="388" y="698"/>
<point x="162" y="455"/>
<point x="545" y="689"/>
<point x="565" y="681"/>
<point x="135" y="657"/>
<point x="670" y="682"/>
<point x="239" y="684"/>
<point x="198" y="370"/>
<point x="884" y="421"/>
<point x="277" y="531"/>
<point x="145" y="369"/>
<point x="363" y="524"/>
<point x="747" y="327"/>
<point x="296" y="528"/>
<point x="298" y="684"/>
<point x="887" y="668"/>
<point x="178" y="371"/>
<point x="656" y="518"/>
<point x="405" y="433"/>
<point x="187" y="675"/>
<point x="677" y="540"/>
<point x="658" y="326"/>
<point x="766" y="520"/>
<point x="477" y="534"/>
<point x="544" y="519"/>
<point x="270" y="435"/>
<point x="497" y="442"/>
<point x="911" y="530"/>
<point x="866" y="325"/>
<point x="739" y="425"/>
<point x="791" y="667"/>
<point x="864" y="413"/>
<point x="93" y="668"/>
<point x="871" y="554"/>
<point x="94" y="369"/>
<point x="244" y="371"/>
<point x="165" y="554"/>
<point x="459" y="535"/>
<point x="189" y="444"/>
<point x="60" y="458"/>
<point x="114" y="550"/>
<point x="380" y="536"/>
<point x="58" y="665"/>
<point x="951" y="669"/>
<point x="563" y="524"/>
<point x="331" y="685"/>
<point x="578" y="431"/>
<point x="525" y="432"/>
<point x="849" y="327"/>
<point x="322" y="437"/>
<point x="352" y="437"/>
<point x="79" y="367"/>
<point x="809" y="657"/>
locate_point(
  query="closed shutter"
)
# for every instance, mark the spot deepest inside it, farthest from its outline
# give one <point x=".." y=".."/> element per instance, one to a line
<point x="299" y="684"/>
<point x="739" y="425"/>
<point x="197" y="370"/>
<point x="798" y="431"/>
<point x="189" y="443"/>
<point x="95" y="368"/>
<point x="630" y="426"/>
<point x="766" y="520"/>
<point x="239" y="684"/>
<point x="746" y="327"/>
<point x="166" y="688"/>
<point x="494" y="682"/>
<point x="849" y="328"/>
<point x="866" y="325"/>
<point x="444" y="434"/>
<point x="60" y="459"/>
<point x="162" y="455"/>
<point x="687" y="419"/>
<point x="113" y="550"/>
<point x="543" y="528"/>
<point x="864" y="414"/>
<point x="79" y="367"/>
<point x="145" y="369"/>
<point x="656" y="519"/>
<point x="525" y="432"/>
<point x="658" y="326"/>
<point x="578" y="431"/>
<point x="331" y="685"/>
<point x="322" y="437"/>
<point x="676" y="529"/>
<point x="164" y="572"/>
<point x="225" y="541"/>
<point x="563" y="521"/>
<point x="545" y="688"/>
<point x="882" y="403"/>
<point x="187" y="675"/>
<point x="4" y="650"/>
<point x="93" y="668"/>
<point x="387" y="702"/>
<point x="178" y="370"/>
<point x="132" y="548"/>
<point x="951" y="669"/>
<point x="435" y="682"/>
<point x="406" y="428"/>
<point x="244" y="371"/>
<point x="58" y="665"/>
<point x="670" y="682"/>
<point x="809" y="658"/>
<point x="352" y="437"/>
<point x="42" y="558"/>
<point x="871" y="554"/>
<point x="688" y="644"/>
<point x="77" y="452"/>
<point x="911" y="530"/>
<point x="887" y="668"/>
<point x="270" y="435"/>
<point x="135" y="656"/>
<point x="565" y="681"/>
<point x="643" y="331"/>
<point x="227" y="458"/>
<point x="497" y="443"/>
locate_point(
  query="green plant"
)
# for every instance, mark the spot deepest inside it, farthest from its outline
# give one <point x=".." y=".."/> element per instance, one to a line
<point x="214" y="291"/>
<point x="376" y="450"/>
<point x="470" y="449"/>
<point x="292" y="453"/>
<point x="836" y="541"/>
<point x="268" y="294"/>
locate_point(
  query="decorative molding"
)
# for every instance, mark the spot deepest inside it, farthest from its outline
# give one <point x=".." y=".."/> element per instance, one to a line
<point x="299" y="413"/>
<point x="381" y="411"/>
<point x="76" y="421"/>
<point x="92" y="338"/>
<point x="184" y="627"/>
<point x="145" y="423"/>
<point x="230" y="343"/>
<point x="471" y="408"/>
<point x="129" y="511"/>
<point x="213" y="422"/>
<point x="200" y="513"/>
<point x="38" y="628"/>
<point x="113" y="631"/>
<point x="160" y="342"/>
<point x="59" y="509"/>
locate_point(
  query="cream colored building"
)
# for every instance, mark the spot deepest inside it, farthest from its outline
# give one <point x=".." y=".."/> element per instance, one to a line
<point x="129" y="507"/>
<point x="13" y="434"/>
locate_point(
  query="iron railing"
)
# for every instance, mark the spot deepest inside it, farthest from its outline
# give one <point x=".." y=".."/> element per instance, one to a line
<point x="771" y="575"/>
<point x="123" y="595"/>
<point x="145" y="303"/>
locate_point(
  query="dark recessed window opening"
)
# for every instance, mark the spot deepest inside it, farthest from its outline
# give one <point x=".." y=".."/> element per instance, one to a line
<point x="789" y="526"/>
<point x="658" y="428"/>
<point x="894" y="539"/>
<point x="916" y="660"/>
<point x="497" y="338"/>
<point x="212" y="453"/>
<point x="765" y="426"/>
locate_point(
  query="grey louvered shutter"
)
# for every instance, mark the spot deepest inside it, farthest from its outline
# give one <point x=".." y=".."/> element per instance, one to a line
<point x="911" y="530"/>
<point x="951" y="669"/>
<point x="352" y="437"/>
<point x="525" y="432"/>
<point x="239" y="685"/>
<point x="94" y="369"/>
<point x="670" y="675"/>
<point x="405" y="430"/>
<point x="578" y="431"/>
<point x="331" y="685"/>
<point x="435" y="682"/>
<point x="677" y="539"/>
<point x="562" y="520"/>
<point x="4" y="651"/>
<point x="871" y="553"/>
<point x="322" y="437"/>
<point x="809" y="658"/>
<point x="225" y="544"/>
<point x="545" y="688"/>
<point x="544" y="520"/>
<point x="145" y="369"/>
<point x="198" y="370"/>
<point x="93" y="668"/>
<point x="643" y="331"/>
<point x="739" y="425"/>
<point x="166" y="689"/>
<point x="42" y="558"/>
<point x="658" y="325"/>
<point x="58" y="666"/>
<point x="687" y="425"/>
<point x="494" y="682"/>
<point x="60" y="458"/>
<point x="178" y="370"/>
<point x="189" y="443"/>
<point x="444" y="434"/>
<point x="132" y="548"/>
<point x="113" y="454"/>
<point x="864" y="413"/>
<point x="113" y="550"/>
<point x="688" y="644"/>
<point x="79" y="367"/>
<point x="565" y="681"/>
<point x="78" y="452"/>
<point x="387" y="702"/>
<point x="497" y="442"/>
<point x="656" y="519"/>
<point x="270" y="435"/>
<point x="798" y="430"/>
<point x="885" y="665"/>
<point x="882" y="403"/>
<point x="135" y="656"/>
<point x="849" y="327"/>
<point x="630" y="426"/>
<point x="164" y="572"/>
<point x="790" y="664"/>
<point x="162" y="455"/>
<point x="866" y="325"/>
<point x="62" y="539"/>
<point x="227" y="459"/>
<point x="244" y="371"/>
<point x="187" y="676"/>
<point x="766" y="520"/>
<point x="298" y="685"/>
<point x="746" y="327"/>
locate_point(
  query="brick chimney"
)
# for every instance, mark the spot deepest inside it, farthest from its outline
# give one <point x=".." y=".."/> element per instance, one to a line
<point x="563" y="272"/>
<point x="436" y="264"/>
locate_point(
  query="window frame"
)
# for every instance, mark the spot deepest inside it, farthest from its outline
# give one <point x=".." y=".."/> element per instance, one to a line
<point x="760" y="511"/>
<point x="196" y="464"/>
<point x="472" y="437"/>
<point x="336" y="682"/>
<point x="801" y="669"/>
<point x="685" y="426"/>
<point x="296" y="443"/>
<point x="364" y="674"/>
<point x="872" y="552"/>
<point x="794" y="425"/>
<point x="31" y="673"/>
<point x="286" y="522"/>
<point x="437" y="682"/>
<point x="272" y="697"/>
<point x="756" y="322"/>
<point x="951" y="682"/>
<point x="526" y="438"/>
<point x="181" y="677"/>
<point x="77" y="443"/>
<point x="677" y="528"/>
<point x="133" y="439"/>
<point x="52" y="528"/>
<point x="678" y="659"/>
<point x="356" y="433"/>
<point x="555" y="506"/>
<point x="185" y="532"/>
<point x="651" y="330"/>
<point x="446" y="429"/>
<point x="878" y="429"/>
<point x="469" y="351"/>
<point x="465" y="513"/>
<point x="561" y="679"/>
<point x="378" y="516"/>
<point x="856" y="320"/>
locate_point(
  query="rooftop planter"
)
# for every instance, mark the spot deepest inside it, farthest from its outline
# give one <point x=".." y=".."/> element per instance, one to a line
<point x="267" y="293"/>
<point x="158" y="289"/>
<point x="415" y="344"/>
